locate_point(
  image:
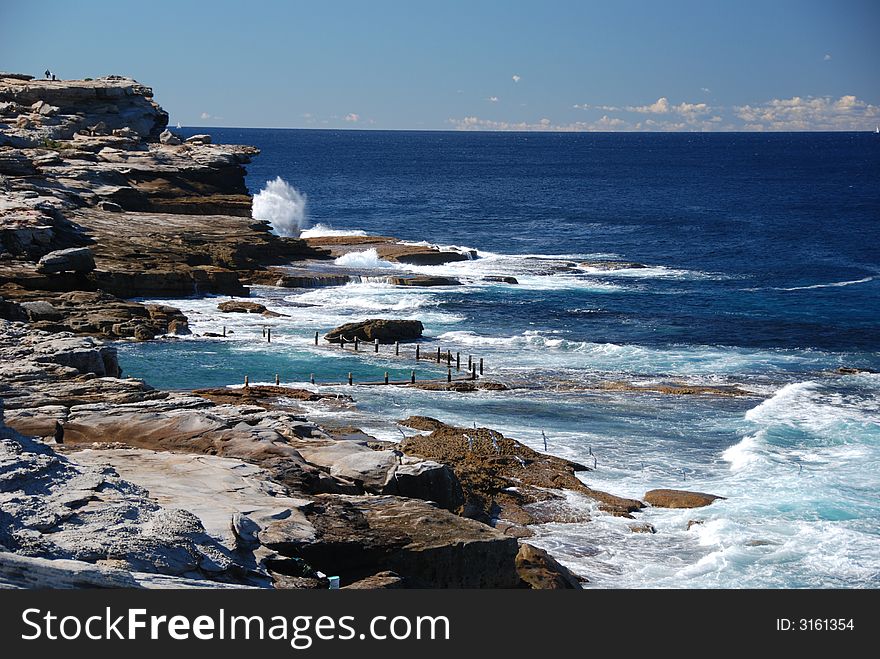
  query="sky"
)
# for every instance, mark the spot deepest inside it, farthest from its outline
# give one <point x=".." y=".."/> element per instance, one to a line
<point x="581" y="65"/>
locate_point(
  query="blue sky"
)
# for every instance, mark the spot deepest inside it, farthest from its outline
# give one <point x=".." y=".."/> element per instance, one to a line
<point x="472" y="65"/>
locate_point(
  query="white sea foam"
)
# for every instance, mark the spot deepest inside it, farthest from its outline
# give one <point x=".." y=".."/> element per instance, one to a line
<point x="836" y="284"/>
<point x="282" y="205"/>
<point x="366" y="259"/>
<point x="322" y="230"/>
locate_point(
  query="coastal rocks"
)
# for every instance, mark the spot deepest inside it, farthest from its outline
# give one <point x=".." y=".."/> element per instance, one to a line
<point x="169" y="138"/>
<point x="424" y="280"/>
<point x="679" y="498"/>
<point x="541" y="571"/>
<point x="427" y="546"/>
<point x="267" y="397"/>
<point x="56" y="509"/>
<point x="502" y="279"/>
<point x="460" y="386"/>
<point x="311" y="280"/>
<point x="642" y="527"/>
<point x="390" y="249"/>
<point x="676" y="389"/>
<point x="76" y="259"/>
<point x="199" y="139"/>
<point x="240" y="306"/>
<point x="500" y="476"/>
<point x="607" y="266"/>
<point x="386" y="471"/>
<point x="386" y="331"/>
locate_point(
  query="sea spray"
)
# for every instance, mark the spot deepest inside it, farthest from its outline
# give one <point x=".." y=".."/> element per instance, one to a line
<point x="282" y="205"/>
<point x="366" y="259"/>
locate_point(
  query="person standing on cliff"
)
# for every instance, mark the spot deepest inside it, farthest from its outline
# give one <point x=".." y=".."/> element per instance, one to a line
<point x="53" y="77"/>
<point x="48" y="73"/>
<point x="59" y="433"/>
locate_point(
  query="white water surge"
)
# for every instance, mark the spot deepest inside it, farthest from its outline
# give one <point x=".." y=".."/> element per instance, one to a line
<point x="282" y="205"/>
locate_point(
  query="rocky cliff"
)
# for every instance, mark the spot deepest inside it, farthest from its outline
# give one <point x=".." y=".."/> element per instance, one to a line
<point x="105" y="481"/>
<point x="99" y="197"/>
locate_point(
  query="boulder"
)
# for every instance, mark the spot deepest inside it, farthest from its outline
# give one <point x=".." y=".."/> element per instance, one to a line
<point x="387" y="331"/>
<point x="503" y="280"/>
<point x="679" y="498"/>
<point x="642" y="527"/>
<point x="40" y="310"/>
<point x="424" y="280"/>
<point x="199" y="139"/>
<point x="428" y="480"/>
<point x="539" y="570"/>
<point x="75" y="259"/>
<point x="167" y="137"/>
<point x="240" y="306"/>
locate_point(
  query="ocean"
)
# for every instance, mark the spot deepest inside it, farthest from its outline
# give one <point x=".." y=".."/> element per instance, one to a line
<point x="762" y="272"/>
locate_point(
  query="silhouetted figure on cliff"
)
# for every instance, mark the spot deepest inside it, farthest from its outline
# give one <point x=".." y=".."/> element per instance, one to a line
<point x="59" y="433"/>
<point x="48" y="74"/>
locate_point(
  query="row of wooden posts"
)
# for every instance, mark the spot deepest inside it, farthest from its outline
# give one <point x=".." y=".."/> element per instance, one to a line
<point x="412" y="378"/>
<point x="471" y="362"/>
<point x="472" y="365"/>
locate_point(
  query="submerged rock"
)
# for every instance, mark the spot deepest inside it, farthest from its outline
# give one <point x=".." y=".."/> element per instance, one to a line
<point x="240" y="306"/>
<point x="424" y="280"/>
<point x="387" y="331"/>
<point x="679" y="498"/>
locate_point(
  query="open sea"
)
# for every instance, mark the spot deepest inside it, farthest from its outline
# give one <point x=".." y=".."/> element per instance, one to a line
<point x="763" y="271"/>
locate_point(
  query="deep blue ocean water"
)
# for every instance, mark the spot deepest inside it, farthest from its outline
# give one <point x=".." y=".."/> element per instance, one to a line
<point x="763" y="271"/>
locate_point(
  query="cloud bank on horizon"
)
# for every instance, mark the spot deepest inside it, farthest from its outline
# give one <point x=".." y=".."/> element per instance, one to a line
<point x="846" y="113"/>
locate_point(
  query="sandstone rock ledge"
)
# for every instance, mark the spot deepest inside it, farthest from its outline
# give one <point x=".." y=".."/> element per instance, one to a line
<point x="159" y="489"/>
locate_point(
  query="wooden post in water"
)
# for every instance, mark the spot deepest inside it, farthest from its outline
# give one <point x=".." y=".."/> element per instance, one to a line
<point x="386" y="377"/>
<point x="224" y="330"/>
<point x="481" y="365"/>
<point x="473" y="371"/>
<point x="316" y="338"/>
<point x="397" y="348"/>
<point x="246" y="382"/>
<point x="417" y="353"/>
<point x="438" y="354"/>
<point x="458" y="361"/>
<point x="277" y="380"/>
<point x="312" y="378"/>
<point x="449" y="374"/>
<point x="264" y="332"/>
<point x="449" y="358"/>
<point x="356" y="344"/>
<point x="349" y="379"/>
<point x="412" y="377"/>
<point x="470" y="361"/>
<point x="342" y="342"/>
<point x="269" y="335"/>
<point x="376" y="345"/>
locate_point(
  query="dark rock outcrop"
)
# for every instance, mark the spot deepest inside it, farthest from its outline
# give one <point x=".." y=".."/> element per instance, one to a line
<point x="386" y="331"/>
<point x="424" y="280"/>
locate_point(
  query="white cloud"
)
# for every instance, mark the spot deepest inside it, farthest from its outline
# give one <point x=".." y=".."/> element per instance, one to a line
<point x="705" y="90"/>
<point x="604" y="108"/>
<point x="810" y="113"/>
<point x="827" y="57"/>
<point x="660" y="106"/>
<point x="492" y="99"/>
<point x="204" y="116"/>
<point x="606" y="123"/>
<point x="352" y="117"/>
<point x="516" y="78"/>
